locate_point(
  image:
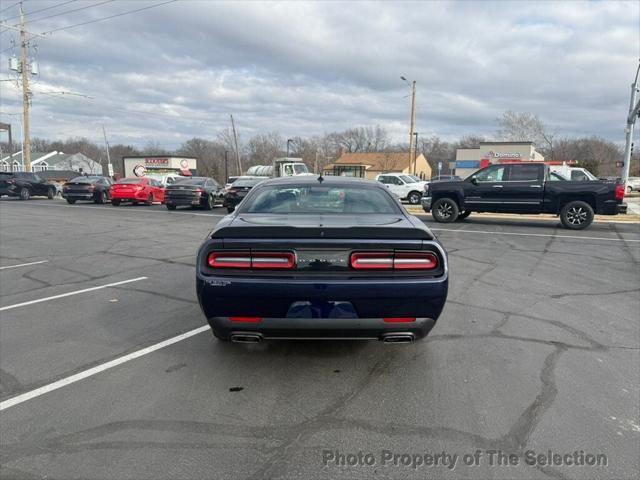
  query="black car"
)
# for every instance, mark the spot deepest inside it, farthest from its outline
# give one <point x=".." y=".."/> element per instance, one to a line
<point x="93" y="188"/>
<point x="25" y="185"/>
<point x="321" y="258"/>
<point x="239" y="188"/>
<point x="525" y="188"/>
<point x="193" y="192"/>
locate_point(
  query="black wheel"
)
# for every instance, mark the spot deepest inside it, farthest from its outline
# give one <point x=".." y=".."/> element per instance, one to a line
<point x="101" y="198"/>
<point x="25" y="194"/>
<point x="230" y="209"/>
<point x="51" y="193"/>
<point x="576" y="215"/>
<point x="171" y="207"/>
<point x="71" y="201"/>
<point x="445" y="210"/>
<point x="414" y="198"/>
<point x="464" y="214"/>
<point x="629" y="189"/>
<point x="149" y="201"/>
<point x="115" y="202"/>
<point x="209" y="203"/>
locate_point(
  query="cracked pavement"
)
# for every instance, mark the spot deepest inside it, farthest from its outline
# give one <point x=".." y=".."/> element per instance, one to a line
<point x="538" y="349"/>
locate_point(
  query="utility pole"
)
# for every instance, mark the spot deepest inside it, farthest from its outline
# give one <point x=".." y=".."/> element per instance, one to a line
<point x="415" y="152"/>
<point x="412" y="165"/>
<point x="634" y="112"/>
<point x="235" y="139"/>
<point x="24" y="72"/>
<point x="226" y="166"/>
<point x="106" y="143"/>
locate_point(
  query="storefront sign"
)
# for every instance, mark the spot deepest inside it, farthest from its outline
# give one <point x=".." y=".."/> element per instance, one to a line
<point x="492" y="154"/>
<point x="156" y="162"/>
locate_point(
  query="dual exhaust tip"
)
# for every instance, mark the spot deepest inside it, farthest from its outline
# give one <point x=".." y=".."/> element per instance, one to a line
<point x="386" y="338"/>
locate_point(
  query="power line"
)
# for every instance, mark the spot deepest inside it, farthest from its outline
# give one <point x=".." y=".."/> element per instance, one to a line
<point x="109" y="17"/>
<point x="9" y="7"/>
<point x="41" y="10"/>
<point x="72" y="10"/>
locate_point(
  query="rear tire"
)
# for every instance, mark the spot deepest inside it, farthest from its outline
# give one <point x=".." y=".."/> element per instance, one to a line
<point x="171" y="207"/>
<point x="229" y="210"/>
<point x="149" y="201"/>
<point x="576" y="215"/>
<point x="210" y="203"/>
<point x="51" y="193"/>
<point x="25" y="194"/>
<point x="115" y="203"/>
<point x="445" y="210"/>
<point x="464" y="214"/>
<point x="101" y="198"/>
<point x="70" y="201"/>
<point x="629" y="189"/>
<point x="414" y="198"/>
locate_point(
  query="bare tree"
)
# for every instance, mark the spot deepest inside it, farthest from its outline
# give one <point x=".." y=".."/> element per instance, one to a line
<point x="527" y="127"/>
<point x="388" y="163"/>
<point x="263" y="148"/>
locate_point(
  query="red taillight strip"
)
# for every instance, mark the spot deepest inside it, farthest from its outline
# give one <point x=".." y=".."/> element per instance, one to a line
<point x="619" y="192"/>
<point x="391" y="261"/>
<point x="259" y="260"/>
<point x="398" y="319"/>
<point x="371" y="261"/>
<point x="246" y="319"/>
<point x="415" y="261"/>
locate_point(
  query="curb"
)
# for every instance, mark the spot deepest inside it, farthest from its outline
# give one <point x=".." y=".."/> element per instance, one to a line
<point x="622" y="218"/>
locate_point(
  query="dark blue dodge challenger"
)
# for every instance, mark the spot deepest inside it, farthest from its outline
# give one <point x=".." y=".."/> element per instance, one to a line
<point x="321" y="258"/>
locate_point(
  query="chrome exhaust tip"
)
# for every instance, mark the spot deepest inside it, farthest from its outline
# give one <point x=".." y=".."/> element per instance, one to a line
<point x="397" y="338"/>
<point x="246" y="338"/>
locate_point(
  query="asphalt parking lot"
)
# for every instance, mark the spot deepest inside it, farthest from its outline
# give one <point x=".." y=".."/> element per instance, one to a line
<point x="108" y="370"/>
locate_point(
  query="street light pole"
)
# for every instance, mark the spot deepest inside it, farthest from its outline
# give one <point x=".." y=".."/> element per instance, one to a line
<point x="24" y="72"/>
<point x="412" y="164"/>
<point x="415" y="152"/>
<point x="634" y="111"/>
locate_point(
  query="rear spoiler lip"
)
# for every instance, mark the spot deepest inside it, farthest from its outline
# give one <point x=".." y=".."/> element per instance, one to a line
<point x="356" y="233"/>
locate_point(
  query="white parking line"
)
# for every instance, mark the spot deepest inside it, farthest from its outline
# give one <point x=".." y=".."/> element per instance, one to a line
<point x="68" y="294"/>
<point x="123" y="209"/>
<point x="24" y="264"/>
<point x="532" y="234"/>
<point x="18" y="399"/>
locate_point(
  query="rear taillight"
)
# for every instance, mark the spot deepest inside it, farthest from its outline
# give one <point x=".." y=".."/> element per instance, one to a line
<point x="245" y="319"/>
<point x="619" y="192"/>
<point x="199" y="190"/>
<point x="394" y="261"/>
<point x="398" y="319"/>
<point x="257" y="260"/>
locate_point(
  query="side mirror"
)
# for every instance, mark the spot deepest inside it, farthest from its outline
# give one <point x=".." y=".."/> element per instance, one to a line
<point x="474" y="180"/>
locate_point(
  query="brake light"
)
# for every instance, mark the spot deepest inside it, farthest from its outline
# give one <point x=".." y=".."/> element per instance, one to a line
<point x="258" y="260"/>
<point x="245" y="319"/>
<point x="619" y="194"/>
<point x="393" y="261"/>
<point x="398" y="320"/>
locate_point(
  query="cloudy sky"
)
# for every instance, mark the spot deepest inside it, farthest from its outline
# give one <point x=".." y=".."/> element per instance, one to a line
<point x="176" y="71"/>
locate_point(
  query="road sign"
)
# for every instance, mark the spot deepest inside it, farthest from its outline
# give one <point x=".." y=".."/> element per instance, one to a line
<point x="110" y="169"/>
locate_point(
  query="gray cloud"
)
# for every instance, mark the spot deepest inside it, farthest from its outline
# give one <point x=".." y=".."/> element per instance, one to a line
<point x="177" y="71"/>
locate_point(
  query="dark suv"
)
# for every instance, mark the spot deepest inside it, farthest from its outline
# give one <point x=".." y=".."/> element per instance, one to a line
<point x="25" y="185"/>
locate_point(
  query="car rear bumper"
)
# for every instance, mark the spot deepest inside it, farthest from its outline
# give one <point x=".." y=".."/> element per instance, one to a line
<point x="274" y="300"/>
<point x="9" y="191"/>
<point x="130" y="196"/>
<point x="180" y="201"/>
<point x="321" y="329"/>
<point x="78" y="196"/>
<point x="612" y="207"/>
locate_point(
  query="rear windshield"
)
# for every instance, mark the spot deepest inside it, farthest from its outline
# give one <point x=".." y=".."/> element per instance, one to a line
<point x="318" y="199"/>
<point x="247" y="182"/>
<point x="85" y="180"/>
<point x="199" y="181"/>
<point x="129" y="180"/>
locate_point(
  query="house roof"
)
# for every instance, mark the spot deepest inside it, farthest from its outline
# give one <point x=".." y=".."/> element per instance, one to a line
<point x="18" y="156"/>
<point x="376" y="160"/>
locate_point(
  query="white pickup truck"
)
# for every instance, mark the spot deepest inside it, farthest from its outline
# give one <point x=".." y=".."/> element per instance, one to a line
<point x="404" y="186"/>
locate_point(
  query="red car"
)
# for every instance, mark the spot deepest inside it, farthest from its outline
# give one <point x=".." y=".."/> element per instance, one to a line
<point x="136" y="190"/>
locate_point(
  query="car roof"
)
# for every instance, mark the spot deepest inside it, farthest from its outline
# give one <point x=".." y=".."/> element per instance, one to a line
<point x="328" y="180"/>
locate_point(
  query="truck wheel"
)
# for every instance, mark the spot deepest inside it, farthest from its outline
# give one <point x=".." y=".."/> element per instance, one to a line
<point x="25" y="194"/>
<point x="576" y="215"/>
<point x="445" y="210"/>
<point x="414" y="198"/>
<point x="629" y="189"/>
<point x="170" y="207"/>
<point x="115" y="202"/>
<point x="51" y="193"/>
<point x="464" y="214"/>
<point x="71" y="201"/>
